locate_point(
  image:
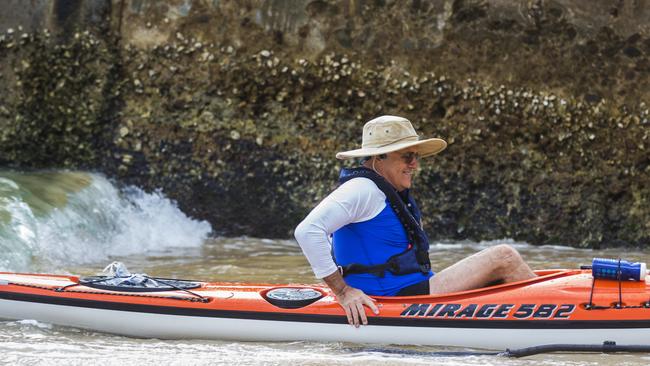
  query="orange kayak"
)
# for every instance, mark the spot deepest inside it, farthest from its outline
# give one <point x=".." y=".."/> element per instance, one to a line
<point x="559" y="306"/>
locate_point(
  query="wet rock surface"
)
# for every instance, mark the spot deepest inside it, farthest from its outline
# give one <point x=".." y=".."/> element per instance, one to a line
<point x="236" y="110"/>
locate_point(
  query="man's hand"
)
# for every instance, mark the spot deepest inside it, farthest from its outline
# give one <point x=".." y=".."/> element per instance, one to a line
<point x="352" y="300"/>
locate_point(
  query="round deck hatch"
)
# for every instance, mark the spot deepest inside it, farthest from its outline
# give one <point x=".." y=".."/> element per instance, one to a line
<point x="292" y="298"/>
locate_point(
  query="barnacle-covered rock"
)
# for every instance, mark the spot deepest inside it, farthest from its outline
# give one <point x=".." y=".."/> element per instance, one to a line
<point x="228" y="109"/>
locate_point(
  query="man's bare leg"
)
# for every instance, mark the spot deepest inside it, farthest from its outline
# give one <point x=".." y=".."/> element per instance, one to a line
<point x="498" y="263"/>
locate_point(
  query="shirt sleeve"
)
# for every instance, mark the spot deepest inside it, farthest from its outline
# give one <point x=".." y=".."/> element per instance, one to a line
<point x="356" y="200"/>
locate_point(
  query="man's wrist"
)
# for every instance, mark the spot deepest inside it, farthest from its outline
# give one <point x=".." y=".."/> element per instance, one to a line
<point x="336" y="283"/>
<point x="340" y="290"/>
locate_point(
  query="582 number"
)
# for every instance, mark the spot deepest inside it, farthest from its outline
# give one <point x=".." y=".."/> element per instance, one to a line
<point x="544" y="311"/>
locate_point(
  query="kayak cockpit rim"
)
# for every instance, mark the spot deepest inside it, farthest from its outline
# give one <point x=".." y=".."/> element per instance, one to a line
<point x="542" y="276"/>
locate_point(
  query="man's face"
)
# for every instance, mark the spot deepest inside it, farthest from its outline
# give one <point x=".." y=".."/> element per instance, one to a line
<point x="398" y="168"/>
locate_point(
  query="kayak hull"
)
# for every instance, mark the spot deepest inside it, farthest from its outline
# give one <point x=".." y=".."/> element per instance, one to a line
<point x="507" y="316"/>
<point x="145" y="325"/>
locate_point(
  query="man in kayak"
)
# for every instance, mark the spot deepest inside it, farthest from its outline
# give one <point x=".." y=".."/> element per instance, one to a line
<point x="379" y="247"/>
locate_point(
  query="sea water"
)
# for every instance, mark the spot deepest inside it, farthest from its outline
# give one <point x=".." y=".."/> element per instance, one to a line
<point x="71" y="222"/>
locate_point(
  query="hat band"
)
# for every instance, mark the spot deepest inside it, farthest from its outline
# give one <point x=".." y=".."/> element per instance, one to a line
<point x="403" y="139"/>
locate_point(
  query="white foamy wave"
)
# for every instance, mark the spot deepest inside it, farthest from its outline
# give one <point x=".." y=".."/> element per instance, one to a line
<point x="95" y="223"/>
<point x="17" y="239"/>
<point x="34" y="323"/>
<point x="161" y="225"/>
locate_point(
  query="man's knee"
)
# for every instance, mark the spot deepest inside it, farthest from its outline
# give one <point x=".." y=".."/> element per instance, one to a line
<point x="507" y="256"/>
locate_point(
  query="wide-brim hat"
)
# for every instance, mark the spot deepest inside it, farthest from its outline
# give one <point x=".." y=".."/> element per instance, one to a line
<point x="386" y="134"/>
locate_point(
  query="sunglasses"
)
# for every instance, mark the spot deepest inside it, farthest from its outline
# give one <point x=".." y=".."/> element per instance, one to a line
<point x="409" y="157"/>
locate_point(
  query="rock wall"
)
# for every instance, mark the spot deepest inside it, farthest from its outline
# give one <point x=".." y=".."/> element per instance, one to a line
<point x="236" y="109"/>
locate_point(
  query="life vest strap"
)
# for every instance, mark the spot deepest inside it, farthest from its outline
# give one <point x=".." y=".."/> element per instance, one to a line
<point x="355" y="268"/>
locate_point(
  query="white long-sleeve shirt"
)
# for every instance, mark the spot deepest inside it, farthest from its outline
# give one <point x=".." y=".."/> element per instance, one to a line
<point x="356" y="200"/>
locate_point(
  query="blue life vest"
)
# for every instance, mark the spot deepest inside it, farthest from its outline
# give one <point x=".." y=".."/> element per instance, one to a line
<point x="388" y="252"/>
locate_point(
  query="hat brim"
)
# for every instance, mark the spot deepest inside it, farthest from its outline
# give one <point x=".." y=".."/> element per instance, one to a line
<point x="425" y="148"/>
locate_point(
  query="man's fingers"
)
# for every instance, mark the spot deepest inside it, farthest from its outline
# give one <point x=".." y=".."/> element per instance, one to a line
<point x="371" y="304"/>
<point x="362" y="313"/>
<point x="348" y="315"/>
<point x="355" y="315"/>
